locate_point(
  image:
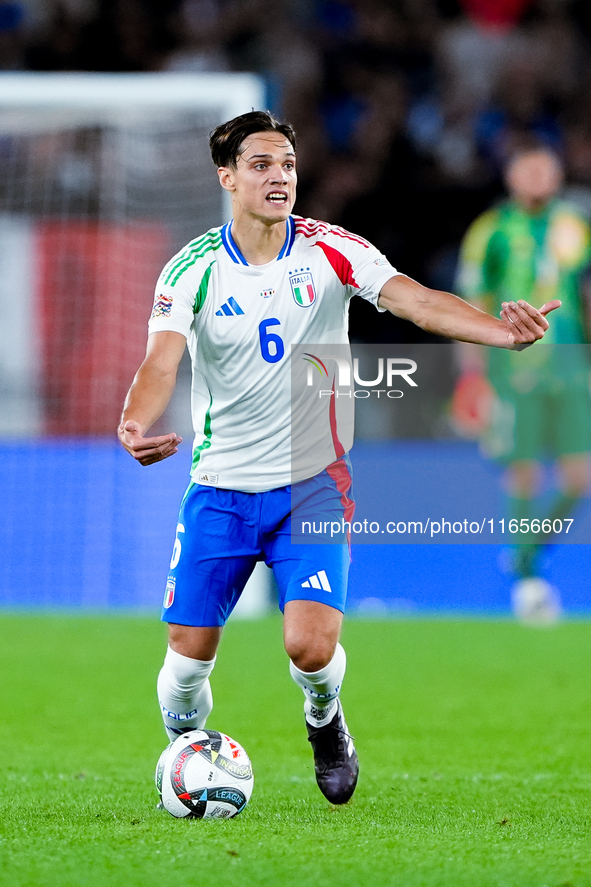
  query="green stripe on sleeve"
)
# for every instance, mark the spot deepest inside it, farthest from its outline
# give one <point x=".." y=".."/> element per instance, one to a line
<point x="196" y="250"/>
<point x="202" y="291"/>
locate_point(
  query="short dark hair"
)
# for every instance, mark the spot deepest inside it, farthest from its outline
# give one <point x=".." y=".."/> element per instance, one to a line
<point x="226" y="140"/>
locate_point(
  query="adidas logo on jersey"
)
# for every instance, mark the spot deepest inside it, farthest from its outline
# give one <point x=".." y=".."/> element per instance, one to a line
<point x="230" y="308"/>
<point x="206" y="477"/>
<point x="318" y="580"/>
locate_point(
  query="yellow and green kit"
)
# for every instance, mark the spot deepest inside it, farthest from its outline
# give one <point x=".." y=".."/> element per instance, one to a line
<point x="543" y="404"/>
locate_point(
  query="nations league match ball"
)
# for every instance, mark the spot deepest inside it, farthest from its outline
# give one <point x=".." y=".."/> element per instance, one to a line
<point x="204" y="774"/>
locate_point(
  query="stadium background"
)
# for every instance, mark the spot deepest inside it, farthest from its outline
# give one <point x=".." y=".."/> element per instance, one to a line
<point x="405" y="112"/>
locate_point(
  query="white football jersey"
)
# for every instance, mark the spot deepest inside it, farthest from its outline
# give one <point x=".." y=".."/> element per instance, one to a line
<point x="240" y="321"/>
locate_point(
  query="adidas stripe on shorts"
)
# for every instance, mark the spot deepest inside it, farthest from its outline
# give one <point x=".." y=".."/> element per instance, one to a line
<point x="221" y="534"/>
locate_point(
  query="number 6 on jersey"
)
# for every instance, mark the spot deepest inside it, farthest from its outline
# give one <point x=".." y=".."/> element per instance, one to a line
<point x="270" y="339"/>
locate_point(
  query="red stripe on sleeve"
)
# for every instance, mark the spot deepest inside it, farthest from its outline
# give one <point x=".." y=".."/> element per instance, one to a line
<point x="339" y="263"/>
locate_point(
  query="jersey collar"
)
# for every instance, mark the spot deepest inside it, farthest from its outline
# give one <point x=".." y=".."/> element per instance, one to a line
<point x="237" y="257"/>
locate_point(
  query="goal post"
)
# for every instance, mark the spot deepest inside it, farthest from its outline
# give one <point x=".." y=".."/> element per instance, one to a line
<point x="103" y="177"/>
<point x="37" y="103"/>
<point x="226" y="93"/>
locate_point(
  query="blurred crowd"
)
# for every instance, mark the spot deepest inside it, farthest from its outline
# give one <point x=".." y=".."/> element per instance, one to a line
<point x="405" y="109"/>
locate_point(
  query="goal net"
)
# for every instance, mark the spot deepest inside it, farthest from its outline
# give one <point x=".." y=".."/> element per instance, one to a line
<point x="102" y="179"/>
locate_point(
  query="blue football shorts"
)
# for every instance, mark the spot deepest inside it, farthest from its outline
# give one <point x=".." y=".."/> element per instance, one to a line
<point x="221" y="534"/>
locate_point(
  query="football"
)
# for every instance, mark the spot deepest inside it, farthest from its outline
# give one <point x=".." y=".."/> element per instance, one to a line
<point x="536" y="602"/>
<point x="204" y="775"/>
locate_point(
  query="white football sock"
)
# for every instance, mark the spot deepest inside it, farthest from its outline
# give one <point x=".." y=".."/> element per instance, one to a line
<point x="321" y="688"/>
<point x="184" y="693"/>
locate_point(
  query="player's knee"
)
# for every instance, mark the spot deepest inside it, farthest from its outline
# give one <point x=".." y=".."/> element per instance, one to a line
<point x="311" y="633"/>
<point x="575" y="478"/>
<point x="309" y="654"/>
<point x="576" y="490"/>
<point x="523" y="479"/>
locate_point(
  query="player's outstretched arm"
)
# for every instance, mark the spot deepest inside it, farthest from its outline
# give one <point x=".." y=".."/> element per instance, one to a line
<point x="444" y="314"/>
<point x="148" y="397"/>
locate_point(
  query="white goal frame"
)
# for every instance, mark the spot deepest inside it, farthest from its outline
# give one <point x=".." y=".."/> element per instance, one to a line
<point x="119" y="98"/>
<point x="33" y="103"/>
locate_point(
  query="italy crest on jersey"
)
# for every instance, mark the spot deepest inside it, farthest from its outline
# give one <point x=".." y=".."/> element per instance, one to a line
<point x="302" y="288"/>
<point x="169" y="593"/>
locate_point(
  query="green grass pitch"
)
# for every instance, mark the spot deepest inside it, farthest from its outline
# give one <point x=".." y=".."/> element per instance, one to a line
<point x="474" y="739"/>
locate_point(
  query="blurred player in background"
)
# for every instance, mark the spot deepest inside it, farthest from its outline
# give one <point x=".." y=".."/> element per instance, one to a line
<point x="238" y="297"/>
<point x="536" y="247"/>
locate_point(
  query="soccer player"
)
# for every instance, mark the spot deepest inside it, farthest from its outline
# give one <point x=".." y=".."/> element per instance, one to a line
<point x="238" y="297"/>
<point x="535" y="246"/>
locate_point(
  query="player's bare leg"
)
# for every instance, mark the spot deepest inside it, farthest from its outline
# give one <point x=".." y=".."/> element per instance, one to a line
<point x="523" y="478"/>
<point x="196" y="642"/>
<point x="311" y="636"/>
<point x="184" y="693"/>
<point x="574" y="472"/>
<point x="310" y="633"/>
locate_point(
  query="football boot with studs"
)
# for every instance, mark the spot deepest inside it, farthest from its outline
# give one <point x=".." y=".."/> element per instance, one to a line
<point x="335" y="759"/>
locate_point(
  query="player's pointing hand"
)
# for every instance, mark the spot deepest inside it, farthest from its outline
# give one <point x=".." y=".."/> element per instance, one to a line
<point x="526" y="324"/>
<point x="147" y="450"/>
